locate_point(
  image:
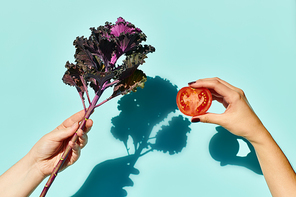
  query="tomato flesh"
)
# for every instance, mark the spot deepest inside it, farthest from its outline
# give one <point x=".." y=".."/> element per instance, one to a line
<point x="193" y="102"/>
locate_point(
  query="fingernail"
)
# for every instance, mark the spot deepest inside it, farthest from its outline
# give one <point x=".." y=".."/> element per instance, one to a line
<point x="195" y="120"/>
<point x="191" y="82"/>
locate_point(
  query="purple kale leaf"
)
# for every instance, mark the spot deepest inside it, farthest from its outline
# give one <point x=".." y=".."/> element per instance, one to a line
<point x="130" y="84"/>
<point x="97" y="57"/>
<point x="74" y="77"/>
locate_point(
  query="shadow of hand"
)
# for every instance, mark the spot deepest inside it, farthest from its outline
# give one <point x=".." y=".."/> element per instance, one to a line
<point x="108" y="178"/>
<point x="224" y="147"/>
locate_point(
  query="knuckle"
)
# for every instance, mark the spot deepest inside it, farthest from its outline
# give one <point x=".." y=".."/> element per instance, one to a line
<point x="238" y="94"/>
<point x="241" y="92"/>
<point x="216" y="78"/>
<point x="216" y="83"/>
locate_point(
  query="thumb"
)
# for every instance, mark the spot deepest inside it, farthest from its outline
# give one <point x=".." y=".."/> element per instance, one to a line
<point x="208" y="118"/>
<point x="62" y="134"/>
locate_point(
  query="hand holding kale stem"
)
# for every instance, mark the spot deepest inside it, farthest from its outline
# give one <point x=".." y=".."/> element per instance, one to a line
<point x="95" y="66"/>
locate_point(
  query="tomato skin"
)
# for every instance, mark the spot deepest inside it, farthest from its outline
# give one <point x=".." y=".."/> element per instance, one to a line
<point x="193" y="102"/>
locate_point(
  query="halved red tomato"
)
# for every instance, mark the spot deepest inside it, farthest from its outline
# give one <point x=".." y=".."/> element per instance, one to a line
<point x="193" y="102"/>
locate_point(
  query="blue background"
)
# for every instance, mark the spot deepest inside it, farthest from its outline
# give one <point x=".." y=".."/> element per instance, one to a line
<point x="249" y="43"/>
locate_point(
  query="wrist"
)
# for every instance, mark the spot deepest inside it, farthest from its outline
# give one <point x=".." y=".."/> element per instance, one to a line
<point x="34" y="167"/>
<point x="33" y="176"/>
<point x="21" y="179"/>
<point x="260" y="136"/>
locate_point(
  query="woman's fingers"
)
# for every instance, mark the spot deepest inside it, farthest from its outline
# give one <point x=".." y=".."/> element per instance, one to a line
<point x="240" y="91"/>
<point x="88" y="125"/>
<point x="219" y="88"/>
<point x="62" y="134"/>
<point x="83" y="138"/>
<point x="77" y="117"/>
<point x="75" y="147"/>
<point x="213" y="84"/>
<point x="208" y="118"/>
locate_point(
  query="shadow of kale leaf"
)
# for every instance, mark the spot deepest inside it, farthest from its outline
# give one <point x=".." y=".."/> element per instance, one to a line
<point x="172" y="138"/>
<point x="142" y="111"/>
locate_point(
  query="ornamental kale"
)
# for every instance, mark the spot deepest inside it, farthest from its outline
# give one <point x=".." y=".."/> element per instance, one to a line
<point x="96" y="67"/>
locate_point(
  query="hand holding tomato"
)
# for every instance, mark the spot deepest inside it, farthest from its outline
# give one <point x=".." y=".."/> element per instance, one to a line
<point x="238" y="118"/>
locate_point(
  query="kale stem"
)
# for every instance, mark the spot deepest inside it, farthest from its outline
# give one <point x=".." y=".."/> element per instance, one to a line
<point x="83" y="103"/>
<point x="112" y="83"/>
<point x="108" y="99"/>
<point x="85" y="87"/>
<point x="68" y="148"/>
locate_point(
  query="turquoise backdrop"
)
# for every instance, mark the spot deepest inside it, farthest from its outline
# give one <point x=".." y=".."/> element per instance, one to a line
<point x="249" y="43"/>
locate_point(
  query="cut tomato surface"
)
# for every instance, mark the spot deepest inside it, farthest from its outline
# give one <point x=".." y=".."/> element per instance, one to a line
<point x="193" y="102"/>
